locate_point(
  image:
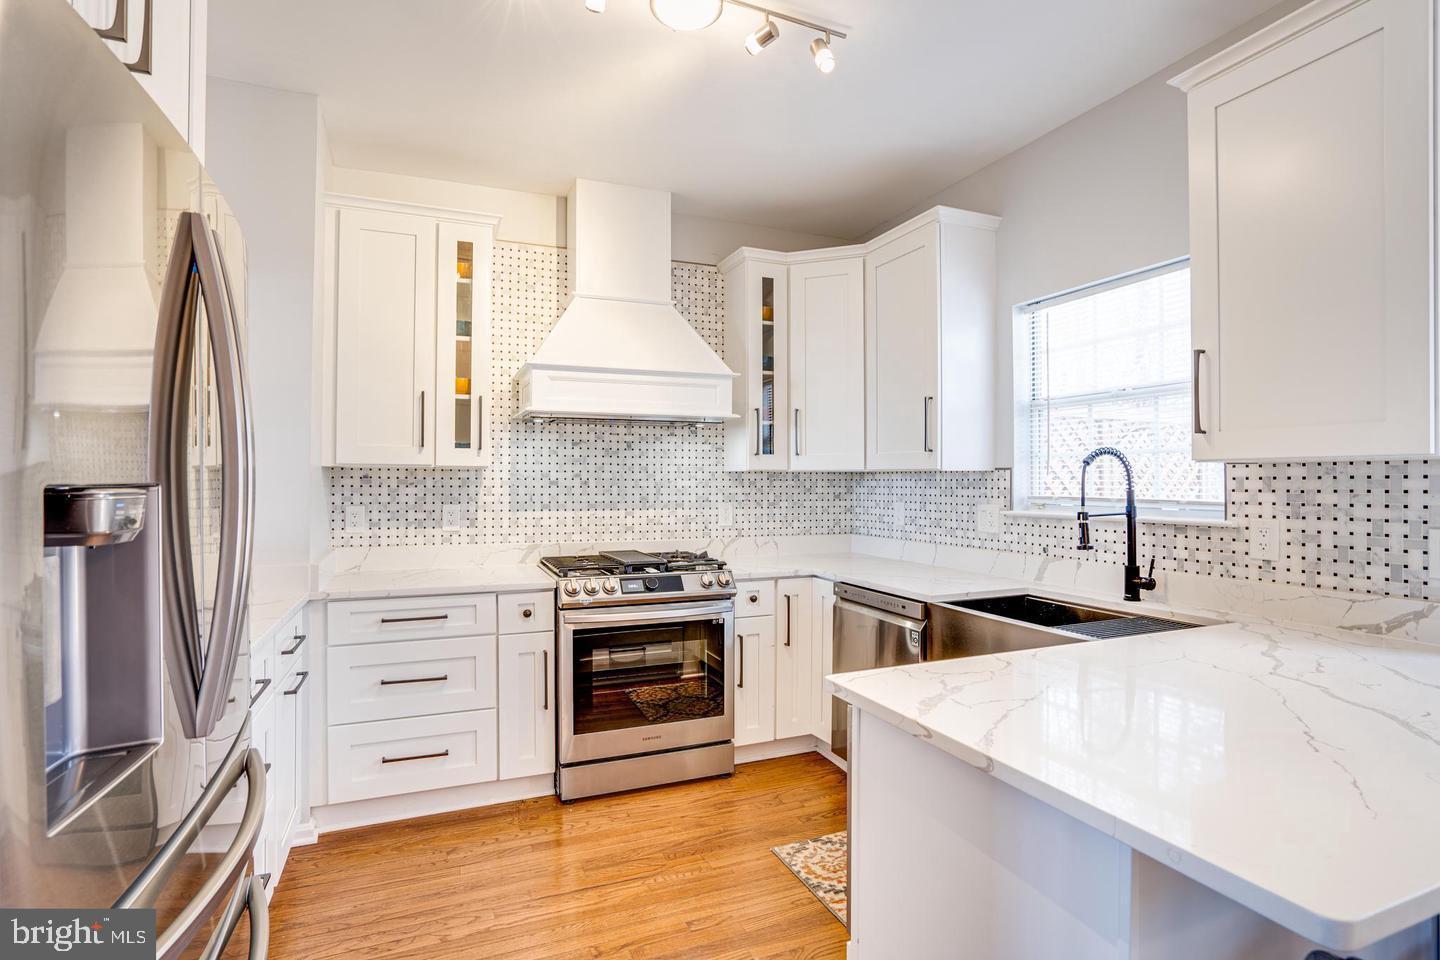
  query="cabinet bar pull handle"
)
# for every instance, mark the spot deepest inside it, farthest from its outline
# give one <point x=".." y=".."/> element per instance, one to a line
<point x="435" y="616"/>
<point x="789" y="620"/>
<point x="263" y="685"/>
<point x="928" y="447"/>
<point x="797" y="431"/>
<point x="545" y="679"/>
<point x="299" y="639"/>
<point x="740" y="652"/>
<point x="418" y="756"/>
<point x="479" y="424"/>
<point x="303" y="675"/>
<point x="141" y="63"/>
<point x="757" y="431"/>
<point x="1195" y="427"/>
<point x="395" y="683"/>
<point x="422" y="419"/>
<point x="119" y="26"/>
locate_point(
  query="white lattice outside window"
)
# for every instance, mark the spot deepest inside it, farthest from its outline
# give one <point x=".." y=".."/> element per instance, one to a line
<point x="1109" y="365"/>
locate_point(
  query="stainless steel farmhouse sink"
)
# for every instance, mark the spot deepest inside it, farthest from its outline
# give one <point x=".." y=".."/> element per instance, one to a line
<point x="972" y="628"/>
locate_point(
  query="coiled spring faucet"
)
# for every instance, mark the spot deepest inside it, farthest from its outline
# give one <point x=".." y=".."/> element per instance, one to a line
<point x="1134" y="583"/>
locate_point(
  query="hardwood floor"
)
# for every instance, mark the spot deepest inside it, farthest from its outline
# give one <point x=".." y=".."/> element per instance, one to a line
<point x="681" y="871"/>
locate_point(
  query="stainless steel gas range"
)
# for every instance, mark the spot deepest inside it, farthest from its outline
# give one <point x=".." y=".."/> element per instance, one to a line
<point x="646" y="679"/>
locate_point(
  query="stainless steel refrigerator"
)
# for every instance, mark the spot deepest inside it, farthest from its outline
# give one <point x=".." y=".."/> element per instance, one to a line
<point x="126" y="774"/>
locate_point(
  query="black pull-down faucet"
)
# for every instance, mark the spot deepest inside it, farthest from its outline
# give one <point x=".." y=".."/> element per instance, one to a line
<point x="1134" y="583"/>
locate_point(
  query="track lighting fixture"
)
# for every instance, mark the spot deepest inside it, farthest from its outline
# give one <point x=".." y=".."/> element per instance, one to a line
<point x="699" y="14"/>
<point x="767" y="34"/>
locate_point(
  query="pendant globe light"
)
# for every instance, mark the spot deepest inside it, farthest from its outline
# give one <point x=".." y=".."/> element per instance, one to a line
<point x="687" y="14"/>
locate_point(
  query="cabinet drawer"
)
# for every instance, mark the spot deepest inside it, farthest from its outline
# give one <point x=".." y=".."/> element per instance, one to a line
<point x="410" y="678"/>
<point x="755" y="598"/>
<point x="527" y="612"/>
<point x="389" y="757"/>
<point x="291" y="647"/>
<point x="415" y="618"/>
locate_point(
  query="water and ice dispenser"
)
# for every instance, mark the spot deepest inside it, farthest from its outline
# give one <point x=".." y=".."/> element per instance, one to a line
<point x="103" y="682"/>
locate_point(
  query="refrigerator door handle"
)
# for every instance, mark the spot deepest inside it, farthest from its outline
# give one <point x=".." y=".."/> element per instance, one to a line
<point x="145" y="891"/>
<point x="196" y="270"/>
<point x="249" y="895"/>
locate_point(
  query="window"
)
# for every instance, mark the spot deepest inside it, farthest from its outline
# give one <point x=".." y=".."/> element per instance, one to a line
<point x="1110" y="366"/>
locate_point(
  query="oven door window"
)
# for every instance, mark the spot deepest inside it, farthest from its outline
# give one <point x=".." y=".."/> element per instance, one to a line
<point x="638" y="676"/>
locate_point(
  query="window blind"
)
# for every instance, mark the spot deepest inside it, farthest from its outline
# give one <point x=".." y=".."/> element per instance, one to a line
<point x="1109" y="366"/>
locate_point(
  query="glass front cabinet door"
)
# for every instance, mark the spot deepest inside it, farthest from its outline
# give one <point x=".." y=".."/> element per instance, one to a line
<point x="462" y="348"/>
<point x="756" y="346"/>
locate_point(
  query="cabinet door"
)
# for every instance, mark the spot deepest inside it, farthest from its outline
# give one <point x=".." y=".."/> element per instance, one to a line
<point x="168" y="48"/>
<point x="755" y="680"/>
<point x="285" y="771"/>
<point x="827" y="365"/>
<point x="527" y="705"/>
<point x="1310" y="251"/>
<point x="902" y="344"/>
<point x="757" y="347"/>
<point x="262" y="738"/>
<point x="824" y="607"/>
<point x="385" y="339"/>
<point x="463" y="345"/>
<point x="797" y="692"/>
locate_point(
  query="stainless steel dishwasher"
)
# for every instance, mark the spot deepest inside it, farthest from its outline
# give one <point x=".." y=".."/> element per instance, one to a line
<point x="872" y="629"/>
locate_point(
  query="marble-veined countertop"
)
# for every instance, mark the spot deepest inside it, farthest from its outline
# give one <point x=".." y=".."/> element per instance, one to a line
<point x="1295" y="770"/>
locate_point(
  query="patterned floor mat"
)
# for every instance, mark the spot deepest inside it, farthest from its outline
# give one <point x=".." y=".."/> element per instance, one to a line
<point x="820" y="865"/>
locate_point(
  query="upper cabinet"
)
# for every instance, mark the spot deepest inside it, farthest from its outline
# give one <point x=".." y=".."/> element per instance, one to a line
<point x="1311" y="193"/>
<point x="756" y="347"/>
<point x="930" y="345"/>
<point x="877" y="356"/>
<point x="163" y="44"/>
<point x="407" y="337"/>
<point x="827" y="364"/>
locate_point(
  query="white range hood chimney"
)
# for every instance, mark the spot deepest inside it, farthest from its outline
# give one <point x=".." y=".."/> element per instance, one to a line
<point x="621" y="351"/>
<point x="98" y="336"/>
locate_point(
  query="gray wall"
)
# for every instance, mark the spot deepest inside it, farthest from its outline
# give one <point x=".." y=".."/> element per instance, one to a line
<point x="1102" y="195"/>
<point x="262" y="149"/>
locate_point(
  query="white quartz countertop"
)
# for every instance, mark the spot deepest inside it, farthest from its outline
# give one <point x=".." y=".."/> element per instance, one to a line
<point x="1294" y="770"/>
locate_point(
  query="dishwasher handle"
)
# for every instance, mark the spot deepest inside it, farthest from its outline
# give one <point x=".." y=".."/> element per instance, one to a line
<point x="884" y="616"/>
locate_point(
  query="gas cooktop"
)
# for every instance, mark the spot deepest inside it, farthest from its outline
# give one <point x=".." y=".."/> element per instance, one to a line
<point x="629" y="576"/>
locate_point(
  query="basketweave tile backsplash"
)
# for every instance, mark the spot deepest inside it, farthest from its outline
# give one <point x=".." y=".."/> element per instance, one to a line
<point x="1359" y="527"/>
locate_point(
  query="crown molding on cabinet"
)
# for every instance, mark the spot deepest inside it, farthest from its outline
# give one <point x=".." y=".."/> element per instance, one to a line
<point x="1282" y="31"/>
<point x="416" y="209"/>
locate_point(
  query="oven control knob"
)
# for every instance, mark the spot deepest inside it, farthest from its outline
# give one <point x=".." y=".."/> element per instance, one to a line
<point x="723" y="579"/>
<point x="610" y="585"/>
<point x="707" y="581"/>
<point x="652" y="583"/>
<point x="591" y="587"/>
<point x="572" y="589"/>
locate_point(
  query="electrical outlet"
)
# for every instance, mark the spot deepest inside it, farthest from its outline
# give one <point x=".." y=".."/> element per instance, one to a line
<point x="727" y="515"/>
<point x="987" y="518"/>
<point x="355" y="518"/>
<point x="1265" y="540"/>
<point x="897" y="513"/>
<point x="453" y="516"/>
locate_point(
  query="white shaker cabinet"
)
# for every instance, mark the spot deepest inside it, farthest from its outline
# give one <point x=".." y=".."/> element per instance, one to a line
<point x="929" y="344"/>
<point x="823" y="593"/>
<point x="407" y="340"/>
<point x="757" y="348"/>
<point x="1311" y="236"/>
<point x="527" y="705"/>
<point x="754" y="680"/>
<point x="797" y="666"/>
<point x="827" y="364"/>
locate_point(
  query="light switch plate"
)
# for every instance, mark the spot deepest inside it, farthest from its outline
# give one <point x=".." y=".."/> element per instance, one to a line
<point x="727" y="515"/>
<point x="453" y="516"/>
<point x="987" y="518"/>
<point x="355" y="518"/>
<point x="1265" y="540"/>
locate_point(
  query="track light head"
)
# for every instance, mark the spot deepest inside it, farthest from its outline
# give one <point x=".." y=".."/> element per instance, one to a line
<point x="768" y="33"/>
<point x="824" y="56"/>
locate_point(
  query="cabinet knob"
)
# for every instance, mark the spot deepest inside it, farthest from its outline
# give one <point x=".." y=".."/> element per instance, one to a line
<point x="754" y="598"/>
<point x="527" y="613"/>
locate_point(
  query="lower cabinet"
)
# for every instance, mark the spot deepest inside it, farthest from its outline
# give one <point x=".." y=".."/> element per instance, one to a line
<point x="389" y="757"/>
<point x="823" y="600"/>
<point x="754" y="680"/>
<point x="527" y="705"/>
<point x="278" y="731"/>
<point x="797" y="667"/>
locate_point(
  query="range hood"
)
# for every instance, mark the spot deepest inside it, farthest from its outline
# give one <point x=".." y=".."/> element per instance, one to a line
<point x="97" y="339"/>
<point x="621" y="351"/>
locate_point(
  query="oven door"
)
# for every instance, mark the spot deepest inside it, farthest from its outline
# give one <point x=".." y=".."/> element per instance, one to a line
<point x="638" y="680"/>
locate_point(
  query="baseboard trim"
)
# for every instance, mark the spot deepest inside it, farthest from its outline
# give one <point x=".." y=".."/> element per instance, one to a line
<point x="752" y="752"/>
<point x="305" y="834"/>
<point x="365" y="813"/>
<point x="823" y="749"/>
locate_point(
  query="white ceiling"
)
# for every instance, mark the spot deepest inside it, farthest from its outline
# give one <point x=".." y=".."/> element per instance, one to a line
<point x="529" y="94"/>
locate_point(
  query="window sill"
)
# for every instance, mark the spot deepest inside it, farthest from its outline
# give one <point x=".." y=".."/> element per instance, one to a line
<point x="1153" y="519"/>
